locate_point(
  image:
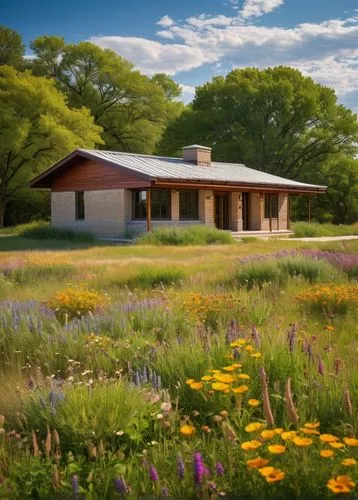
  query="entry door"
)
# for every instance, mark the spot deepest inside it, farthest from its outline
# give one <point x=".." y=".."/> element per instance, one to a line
<point x="246" y="211"/>
<point x="222" y="210"/>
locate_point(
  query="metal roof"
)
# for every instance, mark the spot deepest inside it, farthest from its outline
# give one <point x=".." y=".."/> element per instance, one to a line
<point x="159" y="167"/>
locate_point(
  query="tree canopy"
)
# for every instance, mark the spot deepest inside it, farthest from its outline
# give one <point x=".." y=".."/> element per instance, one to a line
<point x="131" y="108"/>
<point x="11" y="47"/>
<point x="36" y="128"/>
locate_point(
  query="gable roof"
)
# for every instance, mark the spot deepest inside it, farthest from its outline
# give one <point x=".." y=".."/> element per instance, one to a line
<point x="176" y="169"/>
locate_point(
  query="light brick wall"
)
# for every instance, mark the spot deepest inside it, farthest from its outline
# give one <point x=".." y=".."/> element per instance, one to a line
<point x="256" y="212"/>
<point x="206" y="207"/>
<point x="235" y="211"/>
<point x="175" y="204"/>
<point x="105" y="213"/>
<point x="280" y="224"/>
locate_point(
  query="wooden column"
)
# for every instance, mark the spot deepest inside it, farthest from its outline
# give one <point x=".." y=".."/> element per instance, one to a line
<point x="288" y="212"/>
<point x="309" y="208"/>
<point x="149" y="209"/>
<point x="270" y="213"/>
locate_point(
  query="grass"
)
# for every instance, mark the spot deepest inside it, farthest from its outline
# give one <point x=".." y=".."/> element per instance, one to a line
<point x="117" y="401"/>
<point x="192" y="235"/>
<point x="312" y="229"/>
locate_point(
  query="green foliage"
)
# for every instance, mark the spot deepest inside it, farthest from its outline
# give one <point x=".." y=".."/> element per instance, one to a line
<point x="152" y="278"/>
<point x="36" y="128"/>
<point x="34" y="274"/>
<point x="11" y="47"/>
<point x="192" y="235"/>
<point x="313" y="229"/>
<point x="43" y="231"/>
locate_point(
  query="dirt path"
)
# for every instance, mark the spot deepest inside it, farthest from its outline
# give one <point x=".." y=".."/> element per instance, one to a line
<point x="326" y="238"/>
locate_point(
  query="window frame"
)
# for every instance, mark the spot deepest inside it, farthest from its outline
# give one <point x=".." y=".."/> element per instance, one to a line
<point x="154" y="192"/>
<point x="80" y="212"/>
<point x="269" y="197"/>
<point x="181" y="203"/>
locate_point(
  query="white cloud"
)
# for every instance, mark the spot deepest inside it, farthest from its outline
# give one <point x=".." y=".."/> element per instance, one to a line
<point x="188" y="92"/>
<point x="165" y="21"/>
<point x="255" y="8"/>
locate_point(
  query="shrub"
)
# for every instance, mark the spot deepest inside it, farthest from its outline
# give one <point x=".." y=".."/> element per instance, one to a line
<point x="192" y="235"/>
<point x="314" y="229"/>
<point x="209" y="308"/>
<point x="258" y="273"/>
<point x="74" y="303"/>
<point x="310" y="270"/>
<point x="151" y="278"/>
<point x="43" y="231"/>
<point x="329" y="299"/>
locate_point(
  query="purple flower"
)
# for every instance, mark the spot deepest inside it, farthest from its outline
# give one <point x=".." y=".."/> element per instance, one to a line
<point x="219" y="469"/>
<point x="120" y="485"/>
<point x="199" y="469"/>
<point x="180" y="466"/>
<point x="75" y="485"/>
<point x="153" y="474"/>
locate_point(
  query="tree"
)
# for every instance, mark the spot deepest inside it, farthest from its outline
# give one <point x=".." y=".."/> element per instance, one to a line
<point x="131" y="108"/>
<point x="11" y="47"/>
<point x="36" y="129"/>
<point x="275" y="120"/>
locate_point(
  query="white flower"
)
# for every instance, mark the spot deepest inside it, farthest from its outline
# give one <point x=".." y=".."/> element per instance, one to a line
<point x="166" y="407"/>
<point x="119" y="433"/>
<point x="160" y="416"/>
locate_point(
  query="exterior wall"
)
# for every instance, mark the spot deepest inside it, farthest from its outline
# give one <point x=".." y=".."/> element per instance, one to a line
<point x="175" y="205"/>
<point x="256" y="212"/>
<point x="281" y="222"/>
<point x="104" y="212"/>
<point x="206" y="207"/>
<point x="236" y="223"/>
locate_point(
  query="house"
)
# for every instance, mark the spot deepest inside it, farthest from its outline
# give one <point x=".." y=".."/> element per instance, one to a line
<point x="111" y="193"/>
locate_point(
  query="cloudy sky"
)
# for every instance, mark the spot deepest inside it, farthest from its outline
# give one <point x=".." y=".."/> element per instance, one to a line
<point x="196" y="40"/>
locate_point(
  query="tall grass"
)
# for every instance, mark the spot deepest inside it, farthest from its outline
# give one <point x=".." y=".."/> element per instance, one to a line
<point x="315" y="229"/>
<point x="192" y="235"/>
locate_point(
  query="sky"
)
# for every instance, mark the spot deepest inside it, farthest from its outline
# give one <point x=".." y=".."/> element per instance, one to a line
<point x="195" y="40"/>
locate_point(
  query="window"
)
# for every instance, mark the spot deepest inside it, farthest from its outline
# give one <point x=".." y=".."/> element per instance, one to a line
<point x="188" y="205"/>
<point x="273" y="200"/>
<point x="80" y="205"/>
<point x="160" y="206"/>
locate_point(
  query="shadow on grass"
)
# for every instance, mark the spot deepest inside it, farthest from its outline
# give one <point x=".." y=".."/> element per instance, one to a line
<point x="9" y="243"/>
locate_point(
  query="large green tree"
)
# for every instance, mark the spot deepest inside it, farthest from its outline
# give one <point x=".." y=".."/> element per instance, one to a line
<point x="131" y="108"/>
<point x="11" y="47"/>
<point x="275" y="120"/>
<point x="36" y="128"/>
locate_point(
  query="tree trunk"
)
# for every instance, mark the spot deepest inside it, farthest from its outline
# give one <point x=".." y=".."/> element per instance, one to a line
<point x="2" y="212"/>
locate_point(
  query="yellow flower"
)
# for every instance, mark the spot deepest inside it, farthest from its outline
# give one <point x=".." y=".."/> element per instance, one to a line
<point x="256" y="355"/>
<point x="341" y="484"/>
<point x="312" y="425"/>
<point x="256" y="463"/>
<point x="351" y="441"/>
<point x="229" y="368"/>
<point x="253" y="402"/>
<point x="309" y="431"/>
<point x="328" y="438"/>
<point x="189" y="381"/>
<point x="249" y="348"/>
<point x="348" y="462"/>
<point x="237" y="365"/>
<point x="187" y="430"/>
<point x="244" y="376"/>
<point x="326" y="453"/>
<point x="336" y="444"/>
<point x="225" y="378"/>
<point x="267" y="434"/>
<point x="250" y="445"/>
<point x="218" y="386"/>
<point x="288" y="435"/>
<point x="278" y="430"/>
<point x="241" y="389"/>
<point x="300" y="441"/>
<point x="254" y="426"/>
<point x="276" y="449"/>
<point x="271" y="474"/>
<point x="196" y="386"/>
<point x="206" y="378"/>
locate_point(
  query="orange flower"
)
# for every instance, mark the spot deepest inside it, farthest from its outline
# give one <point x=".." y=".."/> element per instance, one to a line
<point x="244" y="376"/>
<point x="253" y="402"/>
<point x="341" y="484"/>
<point x="348" y="462"/>
<point x="229" y="368"/>
<point x="189" y="381"/>
<point x="187" y="430"/>
<point x="351" y="441"/>
<point x="328" y="438"/>
<point x="312" y="425"/>
<point x="250" y="445"/>
<point x="326" y="453"/>
<point x="258" y="462"/>
<point x="196" y="386"/>
<point x="254" y="426"/>
<point x="271" y="474"/>
<point x="276" y="449"/>
<point x="300" y="441"/>
<point x="267" y="434"/>
<point x="336" y="444"/>
<point x="288" y="435"/>
<point x="206" y="378"/>
<point x="240" y="390"/>
<point x="219" y="386"/>
<point x="309" y="431"/>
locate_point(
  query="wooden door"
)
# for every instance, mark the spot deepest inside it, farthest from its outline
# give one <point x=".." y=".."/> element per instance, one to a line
<point x="221" y="202"/>
<point x="246" y="211"/>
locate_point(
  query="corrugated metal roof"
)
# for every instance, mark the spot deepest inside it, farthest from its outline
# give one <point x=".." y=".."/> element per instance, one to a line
<point x="158" y="167"/>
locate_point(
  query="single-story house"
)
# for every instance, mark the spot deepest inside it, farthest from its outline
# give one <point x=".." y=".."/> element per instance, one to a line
<point x="111" y="193"/>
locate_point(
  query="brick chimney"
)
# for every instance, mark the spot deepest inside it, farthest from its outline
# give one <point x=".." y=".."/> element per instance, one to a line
<point x="199" y="155"/>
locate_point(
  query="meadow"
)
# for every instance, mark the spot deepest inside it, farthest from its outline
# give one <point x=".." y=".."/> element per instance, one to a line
<point x="219" y="371"/>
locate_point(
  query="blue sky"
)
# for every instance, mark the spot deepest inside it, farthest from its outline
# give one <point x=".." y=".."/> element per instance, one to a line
<point x="196" y="40"/>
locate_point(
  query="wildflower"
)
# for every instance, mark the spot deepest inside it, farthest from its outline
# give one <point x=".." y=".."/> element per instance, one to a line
<point x="219" y="469"/>
<point x="254" y="426"/>
<point x="205" y="428"/>
<point x="224" y="378"/>
<point x="253" y="402"/>
<point x="267" y="434"/>
<point x="256" y="463"/>
<point x="189" y="381"/>
<point x="336" y="444"/>
<point x="265" y="398"/>
<point x="55" y="477"/>
<point x="120" y="485"/>
<point x="251" y="445"/>
<point x="348" y="462"/>
<point x="302" y="441"/>
<point x="180" y="466"/>
<point x="271" y="474"/>
<point x="276" y="449"/>
<point x="196" y="386"/>
<point x="218" y="386"/>
<point x="244" y="376"/>
<point x="312" y="425"/>
<point x="328" y="438"/>
<point x="165" y="491"/>
<point x="240" y="390"/>
<point x="187" y="430"/>
<point x="160" y="416"/>
<point x="351" y="441"/>
<point x="198" y="469"/>
<point x="224" y="413"/>
<point x="206" y="378"/>
<point x="278" y="430"/>
<point x="329" y="328"/>
<point x="166" y="407"/>
<point x="326" y="453"/>
<point x="347" y="402"/>
<point x="320" y="366"/>
<point x="75" y="485"/>
<point x="340" y="484"/>
<point x="256" y="355"/>
<point x="153" y="474"/>
<point x="309" y="431"/>
<point x="288" y="435"/>
<point x="229" y="368"/>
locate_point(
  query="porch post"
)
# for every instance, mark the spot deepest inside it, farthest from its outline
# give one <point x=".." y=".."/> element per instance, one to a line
<point x="270" y="213"/>
<point x="149" y="209"/>
<point x="309" y="208"/>
<point x="288" y="212"/>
